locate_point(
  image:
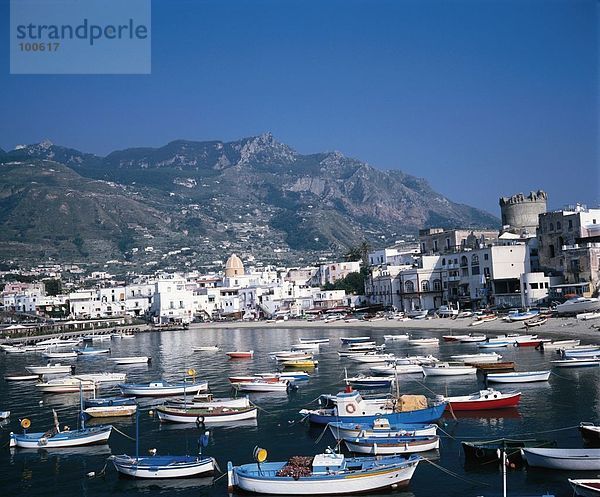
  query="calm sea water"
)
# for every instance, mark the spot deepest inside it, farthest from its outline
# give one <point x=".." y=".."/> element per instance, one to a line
<point x="563" y="402"/>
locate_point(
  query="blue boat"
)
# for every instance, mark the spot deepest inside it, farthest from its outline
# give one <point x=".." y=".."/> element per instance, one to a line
<point x="109" y="401"/>
<point x="350" y="407"/>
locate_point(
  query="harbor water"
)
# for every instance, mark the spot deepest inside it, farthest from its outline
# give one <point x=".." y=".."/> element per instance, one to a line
<point x="548" y="410"/>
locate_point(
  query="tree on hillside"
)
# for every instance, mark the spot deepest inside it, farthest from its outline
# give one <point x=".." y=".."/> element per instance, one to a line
<point x="53" y="287"/>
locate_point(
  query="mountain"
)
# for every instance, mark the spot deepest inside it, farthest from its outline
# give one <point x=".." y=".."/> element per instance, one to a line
<point x="255" y="195"/>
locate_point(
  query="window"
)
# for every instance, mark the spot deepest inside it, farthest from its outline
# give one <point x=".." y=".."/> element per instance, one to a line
<point x="558" y="226"/>
<point x="425" y="285"/>
<point x="570" y="228"/>
<point x="409" y="287"/>
<point x="443" y="262"/>
<point x="423" y="248"/>
<point x="486" y="257"/>
<point x="464" y="261"/>
<point x="475" y="260"/>
<point x="437" y="285"/>
<point x="435" y="246"/>
<point x="533" y="286"/>
<point x="448" y="243"/>
<point x="551" y="226"/>
<point x="551" y="251"/>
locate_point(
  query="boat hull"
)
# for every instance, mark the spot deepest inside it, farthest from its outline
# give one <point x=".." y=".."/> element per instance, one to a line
<point x="75" y="438"/>
<point x="508" y="400"/>
<point x="387" y="446"/>
<point x="390" y="476"/>
<point x="486" y="452"/>
<point x="144" y="391"/>
<point x="160" y="467"/>
<point x="348" y="431"/>
<point x="563" y="459"/>
<point x="586" y="488"/>
<point x="189" y="416"/>
<point x="517" y="377"/>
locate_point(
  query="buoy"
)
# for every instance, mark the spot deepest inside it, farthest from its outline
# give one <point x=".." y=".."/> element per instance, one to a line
<point x="151" y="412"/>
<point x="91" y="474"/>
<point x="152" y="452"/>
<point x="41" y="403"/>
<point x="25" y="423"/>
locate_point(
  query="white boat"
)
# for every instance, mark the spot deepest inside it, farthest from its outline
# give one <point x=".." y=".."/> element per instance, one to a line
<point x="579" y="305"/>
<point x="162" y="388"/>
<point x="586" y="488"/>
<point x="588" y="316"/>
<point x="50" y="369"/>
<point x="21" y="377"/>
<point x="559" y="344"/>
<point x="563" y="459"/>
<point x="454" y="338"/>
<point x="391" y="369"/>
<point x="473" y="339"/>
<point x="446" y="369"/>
<point x="370" y="358"/>
<point x="393" y="445"/>
<point x="4" y="414"/>
<point x="518" y="377"/>
<point x="65" y="385"/>
<point x="379" y="428"/>
<point x="484" y="319"/>
<point x="208" y="401"/>
<point x="263" y="385"/>
<point x="324" y="474"/>
<point x="477" y="358"/>
<point x="349" y="340"/>
<point x="60" y="355"/>
<point x="216" y="415"/>
<point x="160" y="467"/>
<point x="305" y="346"/>
<point x="416" y="359"/>
<point x="91" y="351"/>
<point x="130" y="360"/>
<point x="574" y="362"/>
<point x="423" y="342"/>
<point x="111" y="411"/>
<point x="208" y="348"/>
<point x="58" y="342"/>
<point x="314" y="340"/>
<point x="101" y="377"/>
<point x="286" y="355"/>
<point x="492" y="345"/>
<point x="417" y="314"/>
<point x="395" y="338"/>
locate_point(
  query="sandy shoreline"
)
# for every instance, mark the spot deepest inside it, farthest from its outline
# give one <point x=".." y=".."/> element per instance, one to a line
<point x="554" y="328"/>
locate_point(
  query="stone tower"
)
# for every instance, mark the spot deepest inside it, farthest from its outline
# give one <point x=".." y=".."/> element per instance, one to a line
<point x="520" y="213"/>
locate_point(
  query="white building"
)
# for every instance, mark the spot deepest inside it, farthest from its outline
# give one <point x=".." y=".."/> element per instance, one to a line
<point x="172" y="301"/>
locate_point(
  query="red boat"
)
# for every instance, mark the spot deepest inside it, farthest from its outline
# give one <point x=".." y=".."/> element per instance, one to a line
<point x="531" y="343"/>
<point x="484" y="399"/>
<point x="240" y="354"/>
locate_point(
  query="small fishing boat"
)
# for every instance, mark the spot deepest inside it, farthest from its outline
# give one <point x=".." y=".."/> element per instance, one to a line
<point x="264" y="385"/>
<point x="57" y="368"/>
<point x="300" y="363"/>
<point x="484" y="319"/>
<point x="240" y="354"/>
<point x="364" y="346"/>
<point x="349" y="406"/>
<point x="58" y="342"/>
<point x="486" y="451"/>
<point x="521" y="316"/>
<point x="108" y="402"/>
<point x="482" y="400"/>
<point x="423" y="342"/>
<point x="590" y="433"/>
<point x="588" y="316"/>
<point x="207" y="401"/>
<point x="162" y="388"/>
<point x="454" y="338"/>
<point x="417" y="314"/>
<point x="111" y="411"/>
<point x="60" y="355"/>
<point x="492" y="367"/>
<point x="448" y="369"/>
<point x="286" y="375"/>
<point x="55" y="438"/>
<point x="586" y="488"/>
<point x="416" y="359"/>
<point x="532" y="323"/>
<point x="168" y="414"/>
<point x="101" y="377"/>
<point x="130" y="360"/>
<point x="393" y="369"/>
<point x="305" y="346"/>
<point x="323" y="474"/>
<point x="590" y="352"/>
<point x="286" y="355"/>
<point x="576" y="362"/>
<point x="65" y="385"/>
<point x="396" y="338"/>
<point x="85" y="351"/>
<point x="371" y="357"/>
<point x="370" y="381"/>
<point x="477" y="358"/>
<point x="473" y="339"/>
<point x="531" y="343"/>
<point x="392" y="445"/>
<point x="161" y="467"/>
<point x="208" y="348"/>
<point x="492" y="345"/>
<point x="578" y="305"/>
<point x="314" y="340"/>
<point x="21" y="377"/>
<point x="348" y="340"/>
<point x="563" y="459"/>
<point x="559" y="344"/>
<point x="518" y="377"/>
<point x="379" y="428"/>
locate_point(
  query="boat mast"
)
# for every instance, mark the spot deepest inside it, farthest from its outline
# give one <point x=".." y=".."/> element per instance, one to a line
<point x="137" y="435"/>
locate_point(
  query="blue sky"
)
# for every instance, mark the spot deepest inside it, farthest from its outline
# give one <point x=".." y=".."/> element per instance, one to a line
<point x="482" y="98"/>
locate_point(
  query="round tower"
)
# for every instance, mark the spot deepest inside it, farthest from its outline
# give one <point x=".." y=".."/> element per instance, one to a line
<point x="234" y="267"/>
<point x="520" y="213"/>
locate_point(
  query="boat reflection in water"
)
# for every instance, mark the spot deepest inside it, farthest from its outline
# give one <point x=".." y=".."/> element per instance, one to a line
<point x="43" y="455"/>
<point x="246" y="423"/>
<point x="171" y="485"/>
<point x="485" y="415"/>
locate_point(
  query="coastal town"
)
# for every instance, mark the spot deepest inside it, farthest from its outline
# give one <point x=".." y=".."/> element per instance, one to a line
<point x="539" y="258"/>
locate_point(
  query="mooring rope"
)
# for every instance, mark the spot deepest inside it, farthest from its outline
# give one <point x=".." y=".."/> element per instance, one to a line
<point x="455" y="475"/>
<point x="122" y="433"/>
<point x="513" y="436"/>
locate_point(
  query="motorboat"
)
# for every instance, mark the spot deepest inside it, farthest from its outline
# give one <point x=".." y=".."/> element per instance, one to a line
<point x="477" y="358"/>
<point x="101" y="377"/>
<point x="392" y="445"/>
<point x="65" y="385"/>
<point x="57" y="368"/>
<point x="130" y="360"/>
<point x="578" y="305"/>
<point x="379" y="428"/>
<point x="482" y="400"/>
<point x="423" y="342"/>
<point x="240" y="354"/>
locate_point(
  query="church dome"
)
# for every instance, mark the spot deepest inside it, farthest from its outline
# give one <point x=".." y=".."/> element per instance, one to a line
<point x="234" y="266"/>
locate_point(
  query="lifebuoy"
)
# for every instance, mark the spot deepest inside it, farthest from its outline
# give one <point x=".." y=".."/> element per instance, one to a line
<point x="200" y="421"/>
<point x="350" y="408"/>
